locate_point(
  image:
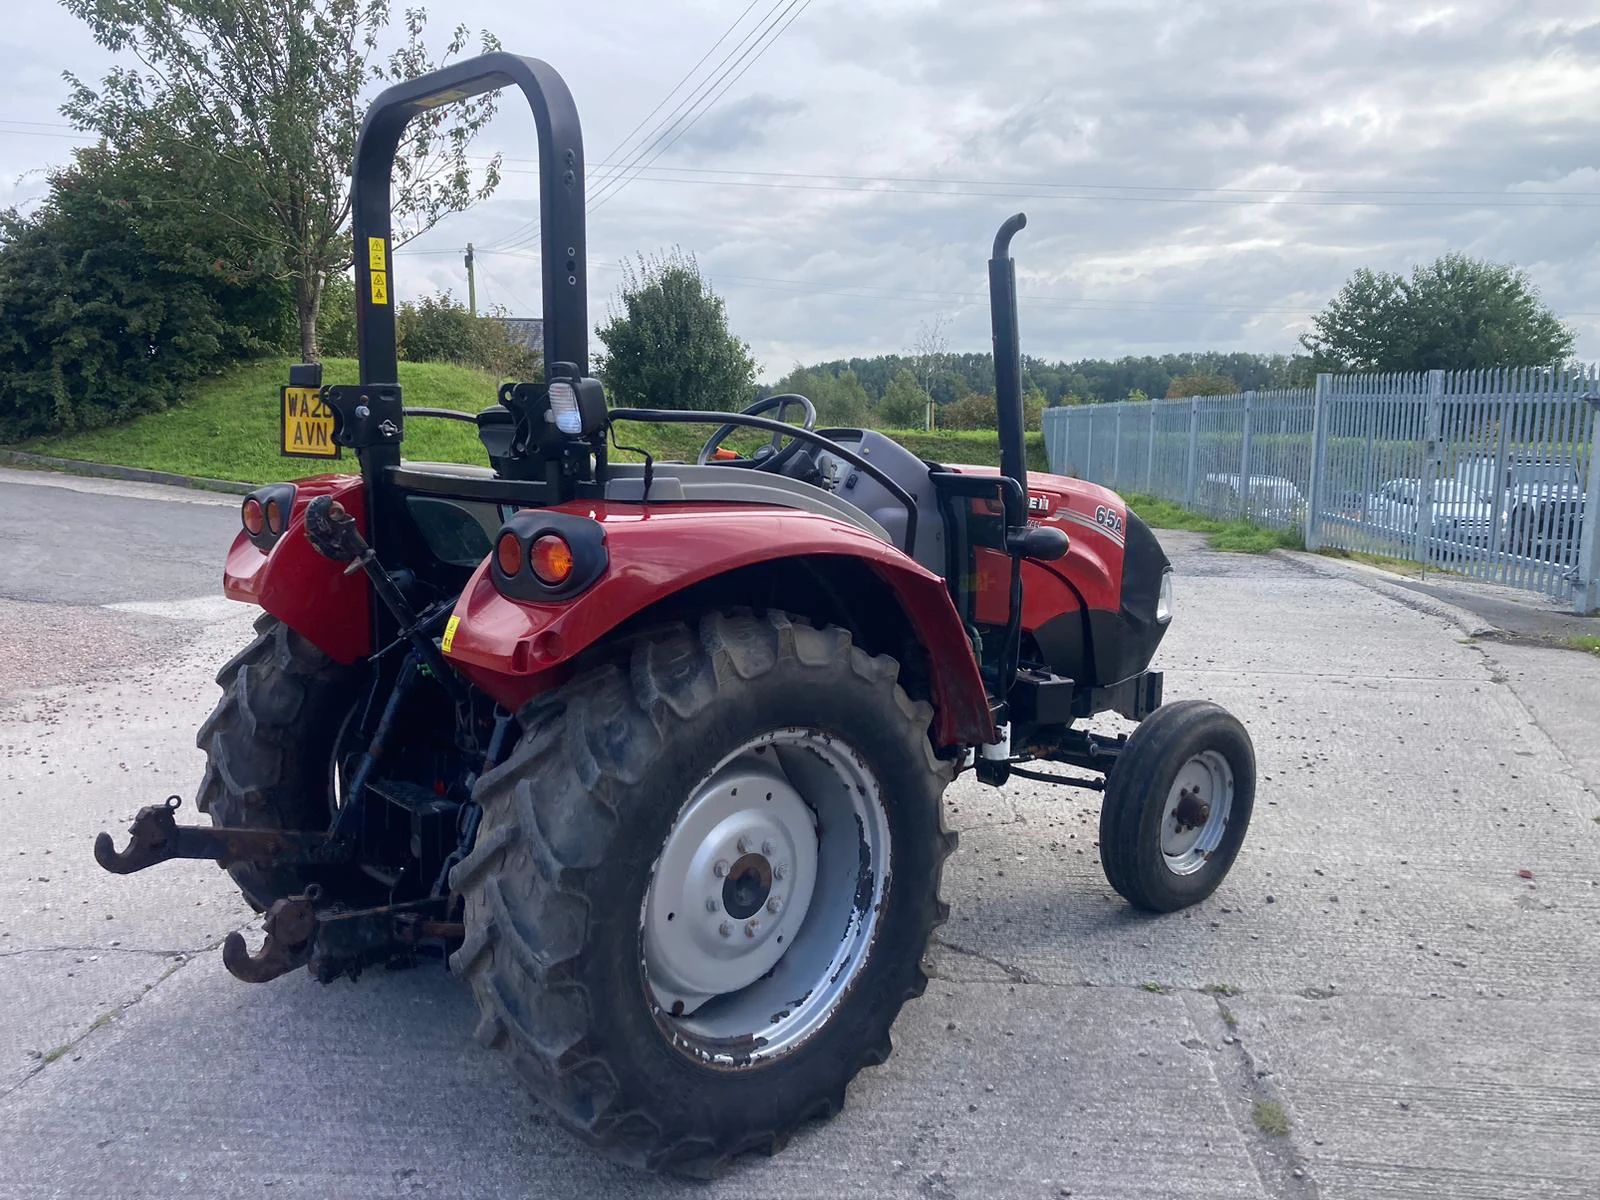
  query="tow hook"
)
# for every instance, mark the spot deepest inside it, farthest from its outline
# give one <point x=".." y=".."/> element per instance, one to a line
<point x="337" y="941"/>
<point x="291" y="924"/>
<point x="157" y="837"/>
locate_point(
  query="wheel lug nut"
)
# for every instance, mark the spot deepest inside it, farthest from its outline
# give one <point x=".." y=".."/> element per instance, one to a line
<point x="750" y="929"/>
<point x="726" y="929"/>
<point x="721" y="869"/>
<point x="711" y="904"/>
<point x="766" y="848"/>
<point x="744" y="845"/>
<point x="774" y="904"/>
<point x="779" y="871"/>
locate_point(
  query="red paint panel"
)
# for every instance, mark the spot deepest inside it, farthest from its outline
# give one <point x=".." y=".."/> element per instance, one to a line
<point x="515" y="649"/>
<point x="1093" y="518"/>
<point x="310" y="594"/>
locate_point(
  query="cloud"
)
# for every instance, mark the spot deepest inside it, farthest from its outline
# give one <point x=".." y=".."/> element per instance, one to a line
<point x="741" y="125"/>
<point x="1375" y="134"/>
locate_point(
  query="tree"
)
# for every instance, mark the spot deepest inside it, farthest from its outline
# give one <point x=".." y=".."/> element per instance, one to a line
<point x="667" y="343"/>
<point x="972" y="411"/>
<point x="841" y="401"/>
<point x="112" y="299"/>
<point x="1457" y="313"/>
<point x="264" y="99"/>
<point x="1033" y="406"/>
<point x="929" y="351"/>
<point x="439" y="328"/>
<point x="904" y="404"/>
<point x="1201" y="383"/>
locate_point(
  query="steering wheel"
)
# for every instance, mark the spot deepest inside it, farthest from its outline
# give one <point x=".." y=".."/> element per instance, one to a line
<point x="773" y="456"/>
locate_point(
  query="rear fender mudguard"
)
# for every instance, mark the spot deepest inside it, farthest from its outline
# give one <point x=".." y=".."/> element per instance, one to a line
<point x="310" y="594"/>
<point x="516" y="649"/>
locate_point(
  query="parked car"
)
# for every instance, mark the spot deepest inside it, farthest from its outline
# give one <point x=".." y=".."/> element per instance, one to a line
<point x="1459" y="513"/>
<point x="1274" y="500"/>
<point x="1541" y="499"/>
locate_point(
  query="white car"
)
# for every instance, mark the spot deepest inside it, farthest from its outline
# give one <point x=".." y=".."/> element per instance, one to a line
<point x="1459" y="513"/>
<point x="1274" y="500"/>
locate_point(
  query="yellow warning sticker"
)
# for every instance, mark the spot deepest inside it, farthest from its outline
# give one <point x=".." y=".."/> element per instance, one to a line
<point x="375" y="259"/>
<point x="306" y="428"/>
<point x="380" y="288"/>
<point x="449" y="634"/>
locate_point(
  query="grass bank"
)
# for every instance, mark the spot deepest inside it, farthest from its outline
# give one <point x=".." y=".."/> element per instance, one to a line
<point x="227" y="428"/>
<point x="1239" y="537"/>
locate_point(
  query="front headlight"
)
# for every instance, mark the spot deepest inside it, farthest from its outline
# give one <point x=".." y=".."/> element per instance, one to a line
<point x="1164" y="600"/>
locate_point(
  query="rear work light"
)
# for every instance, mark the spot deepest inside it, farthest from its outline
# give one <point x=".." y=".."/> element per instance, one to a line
<point x="577" y="403"/>
<point x="564" y="407"/>
<point x="265" y="514"/>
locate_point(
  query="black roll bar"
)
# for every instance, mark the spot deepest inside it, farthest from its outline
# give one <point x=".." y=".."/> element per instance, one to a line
<point x="561" y="201"/>
<point x="562" y="246"/>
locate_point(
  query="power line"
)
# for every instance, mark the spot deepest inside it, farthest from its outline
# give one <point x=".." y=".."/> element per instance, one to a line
<point x="931" y="295"/>
<point x="521" y="235"/>
<point x="527" y="308"/>
<point x="765" y="37"/>
<point x="1045" y="183"/>
<point x="617" y="149"/>
<point x="1011" y="190"/>
<point x="685" y="105"/>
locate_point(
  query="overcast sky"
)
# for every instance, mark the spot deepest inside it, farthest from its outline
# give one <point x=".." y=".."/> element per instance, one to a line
<point x="1198" y="174"/>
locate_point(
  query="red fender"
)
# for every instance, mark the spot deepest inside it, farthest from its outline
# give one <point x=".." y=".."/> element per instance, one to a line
<point x="515" y="649"/>
<point x="310" y="594"/>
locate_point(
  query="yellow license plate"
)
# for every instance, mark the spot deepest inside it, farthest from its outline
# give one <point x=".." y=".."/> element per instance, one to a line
<point x="307" y="425"/>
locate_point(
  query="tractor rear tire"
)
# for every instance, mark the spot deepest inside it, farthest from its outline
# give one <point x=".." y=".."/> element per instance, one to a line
<point x="269" y="749"/>
<point x="579" y="826"/>
<point x="1177" y="805"/>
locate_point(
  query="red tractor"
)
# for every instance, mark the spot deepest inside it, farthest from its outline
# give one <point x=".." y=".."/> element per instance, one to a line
<point x="653" y="753"/>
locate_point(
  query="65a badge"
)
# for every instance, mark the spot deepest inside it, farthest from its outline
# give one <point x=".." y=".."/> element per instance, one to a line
<point x="306" y="425"/>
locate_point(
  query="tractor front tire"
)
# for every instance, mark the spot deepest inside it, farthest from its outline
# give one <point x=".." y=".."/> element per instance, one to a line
<point x="269" y="749"/>
<point x="627" y="906"/>
<point x="1177" y="805"/>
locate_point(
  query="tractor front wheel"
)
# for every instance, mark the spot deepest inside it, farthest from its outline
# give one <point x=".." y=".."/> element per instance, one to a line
<point x="703" y="885"/>
<point x="1177" y="805"/>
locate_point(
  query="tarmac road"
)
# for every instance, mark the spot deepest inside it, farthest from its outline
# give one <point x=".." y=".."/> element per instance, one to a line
<point x="1375" y="970"/>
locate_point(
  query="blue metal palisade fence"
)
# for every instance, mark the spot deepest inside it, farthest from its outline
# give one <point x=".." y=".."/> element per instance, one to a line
<point x="1489" y="474"/>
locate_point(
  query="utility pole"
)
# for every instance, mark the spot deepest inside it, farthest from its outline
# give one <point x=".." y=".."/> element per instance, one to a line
<point x="472" y="283"/>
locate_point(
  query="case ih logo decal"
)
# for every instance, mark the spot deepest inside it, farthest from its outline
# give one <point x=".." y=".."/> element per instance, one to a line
<point x="1040" y="504"/>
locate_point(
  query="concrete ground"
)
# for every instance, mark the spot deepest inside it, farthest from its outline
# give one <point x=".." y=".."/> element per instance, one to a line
<point x="1393" y="995"/>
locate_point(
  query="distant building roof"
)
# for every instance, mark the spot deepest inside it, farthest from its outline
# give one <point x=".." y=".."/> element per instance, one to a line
<point x="525" y="331"/>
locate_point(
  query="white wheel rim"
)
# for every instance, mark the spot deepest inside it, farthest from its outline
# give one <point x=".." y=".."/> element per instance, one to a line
<point x="1195" y="817"/>
<point x="763" y="904"/>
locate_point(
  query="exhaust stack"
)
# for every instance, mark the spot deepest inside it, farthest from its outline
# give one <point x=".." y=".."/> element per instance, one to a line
<point x="1008" y="370"/>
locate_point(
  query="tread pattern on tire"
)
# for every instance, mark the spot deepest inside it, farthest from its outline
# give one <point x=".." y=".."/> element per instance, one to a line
<point x="549" y="818"/>
<point x="257" y="766"/>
